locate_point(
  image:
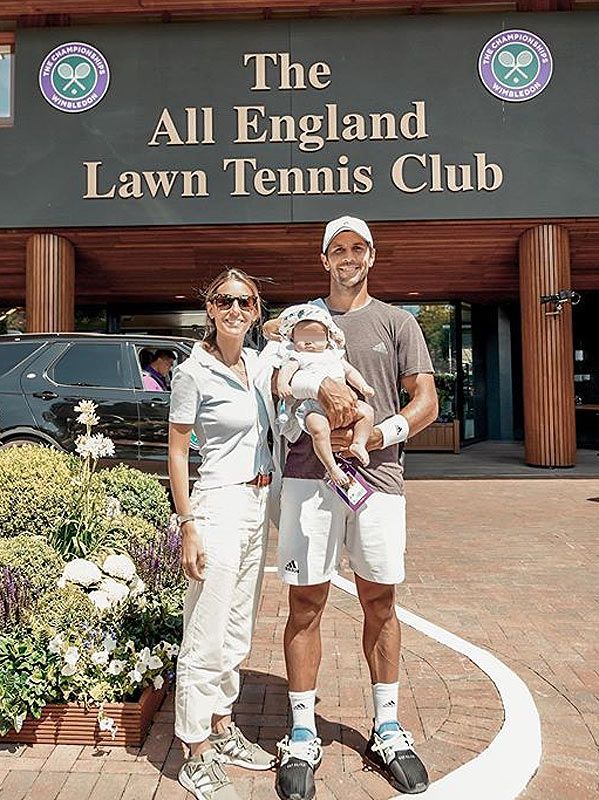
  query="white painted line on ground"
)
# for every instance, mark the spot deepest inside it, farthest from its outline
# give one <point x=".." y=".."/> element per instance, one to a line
<point x="504" y="768"/>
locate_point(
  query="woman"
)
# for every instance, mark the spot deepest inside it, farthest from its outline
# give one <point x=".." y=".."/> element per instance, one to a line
<point x="224" y="527"/>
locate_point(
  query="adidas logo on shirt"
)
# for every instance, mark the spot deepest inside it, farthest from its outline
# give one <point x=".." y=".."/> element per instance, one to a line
<point x="381" y="347"/>
<point x="292" y="566"/>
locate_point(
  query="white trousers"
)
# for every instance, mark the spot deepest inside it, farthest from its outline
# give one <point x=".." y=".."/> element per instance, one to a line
<point x="219" y="611"/>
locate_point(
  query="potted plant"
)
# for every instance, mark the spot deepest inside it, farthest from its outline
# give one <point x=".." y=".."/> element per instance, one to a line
<point x="91" y="606"/>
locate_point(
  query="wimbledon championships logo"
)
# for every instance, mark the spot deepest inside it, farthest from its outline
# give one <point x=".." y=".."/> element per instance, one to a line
<point x="515" y="65"/>
<point x="74" y="77"/>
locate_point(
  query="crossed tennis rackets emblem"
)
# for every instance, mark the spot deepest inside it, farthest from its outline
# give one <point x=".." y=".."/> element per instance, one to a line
<point x="515" y="64"/>
<point x="74" y="76"/>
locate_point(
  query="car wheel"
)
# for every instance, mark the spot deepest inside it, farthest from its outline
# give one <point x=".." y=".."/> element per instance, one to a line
<point x="19" y="441"/>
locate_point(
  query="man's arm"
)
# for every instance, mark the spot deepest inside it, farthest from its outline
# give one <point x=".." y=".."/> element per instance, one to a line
<point x="422" y="409"/>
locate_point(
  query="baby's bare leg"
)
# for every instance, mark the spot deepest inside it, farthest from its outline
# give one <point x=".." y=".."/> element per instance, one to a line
<point x="362" y="431"/>
<point x="319" y="429"/>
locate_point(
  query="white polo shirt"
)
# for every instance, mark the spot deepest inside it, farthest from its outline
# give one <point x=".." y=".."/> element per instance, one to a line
<point x="230" y="421"/>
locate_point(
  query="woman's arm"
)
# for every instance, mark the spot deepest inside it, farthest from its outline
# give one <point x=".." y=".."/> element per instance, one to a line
<point x="193" y="558"/>
<point x="286" y="373"/>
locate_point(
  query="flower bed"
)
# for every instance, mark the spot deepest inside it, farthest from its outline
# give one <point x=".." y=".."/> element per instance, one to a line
<point x="73" y="723"/>
<point x="90" y="596"/>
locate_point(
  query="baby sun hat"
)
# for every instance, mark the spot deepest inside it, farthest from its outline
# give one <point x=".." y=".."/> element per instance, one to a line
<point x="308" y="312"/>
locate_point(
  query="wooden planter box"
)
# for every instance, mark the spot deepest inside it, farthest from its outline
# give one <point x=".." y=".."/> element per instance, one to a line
<point x="71" y="723"/>
<point x="441" y="436"/>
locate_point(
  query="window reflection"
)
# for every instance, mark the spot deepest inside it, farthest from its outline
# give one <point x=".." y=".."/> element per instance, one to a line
<point x="6" y="67"/>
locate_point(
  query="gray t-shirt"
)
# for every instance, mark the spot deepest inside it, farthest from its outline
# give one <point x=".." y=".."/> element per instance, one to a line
<point x="384" y="343"/>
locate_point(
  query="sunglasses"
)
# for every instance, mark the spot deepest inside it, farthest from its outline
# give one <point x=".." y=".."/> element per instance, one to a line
<point x="225" y="301"/>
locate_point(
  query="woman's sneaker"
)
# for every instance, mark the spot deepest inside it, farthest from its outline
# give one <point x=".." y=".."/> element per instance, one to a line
<point x="205" y="778"/>
<point x="233" y="748"/>
<point x="299" y="757"/>
<point x="389" y="751"/>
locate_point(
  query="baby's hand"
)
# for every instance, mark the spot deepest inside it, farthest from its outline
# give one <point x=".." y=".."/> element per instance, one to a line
<point x="270" y="330"/>
<point x="285" y="392"/>
<point x="367" y="390"/>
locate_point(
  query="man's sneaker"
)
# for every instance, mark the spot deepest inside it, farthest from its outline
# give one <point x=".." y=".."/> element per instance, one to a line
<point x="234" y="748"/>
<point x="389" y="751"/>
<point x="299" y="758"/>
<point x="205" y="778"/>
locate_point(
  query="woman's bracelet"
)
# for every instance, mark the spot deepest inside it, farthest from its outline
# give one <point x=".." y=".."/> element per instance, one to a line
<point x="183" y="518"/>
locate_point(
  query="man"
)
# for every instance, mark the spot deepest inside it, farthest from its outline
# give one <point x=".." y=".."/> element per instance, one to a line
<point x="386" y="345"/>
<point x="155" y="374"/>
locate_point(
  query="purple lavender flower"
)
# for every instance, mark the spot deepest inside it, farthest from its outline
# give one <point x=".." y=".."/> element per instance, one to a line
<point x="158" y="560"/>
<point x="16" y="597"/>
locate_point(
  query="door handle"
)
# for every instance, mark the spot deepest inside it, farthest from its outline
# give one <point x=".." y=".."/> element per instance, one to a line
<point x="156" y="401"/>
<point x="46" y="395"/>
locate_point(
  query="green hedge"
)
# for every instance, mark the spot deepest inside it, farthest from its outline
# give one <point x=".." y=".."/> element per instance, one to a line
<point x="140" y="494"/>
<point x="35" y="559"/>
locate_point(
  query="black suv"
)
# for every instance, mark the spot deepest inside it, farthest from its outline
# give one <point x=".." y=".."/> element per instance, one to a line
<point x="43" y="377"/>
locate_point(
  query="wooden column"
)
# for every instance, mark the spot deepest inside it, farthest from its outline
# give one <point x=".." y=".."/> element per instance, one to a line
<point x="50" y="284"/>
<point x="547" y="352"/>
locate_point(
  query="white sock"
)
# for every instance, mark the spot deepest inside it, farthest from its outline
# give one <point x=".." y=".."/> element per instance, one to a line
<point x="385" y="697"/>
<point x="302" y="709"/>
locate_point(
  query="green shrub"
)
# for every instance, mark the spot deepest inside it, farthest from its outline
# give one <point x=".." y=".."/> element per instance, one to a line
<point x="39" y="563"/>
<point x="68" y="611"/>
<point x="36" y="490"/>
<point x="132" y="532"/>
<point x="139" y="493"/>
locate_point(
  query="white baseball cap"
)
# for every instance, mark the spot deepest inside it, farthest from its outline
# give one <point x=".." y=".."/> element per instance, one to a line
<point x="346" y="224"/>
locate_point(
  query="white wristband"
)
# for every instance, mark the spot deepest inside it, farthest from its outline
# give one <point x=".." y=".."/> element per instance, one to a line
<point x="395" y="430"/>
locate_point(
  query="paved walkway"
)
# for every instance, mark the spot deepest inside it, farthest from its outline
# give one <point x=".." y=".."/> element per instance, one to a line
<point x="509" y="565"/>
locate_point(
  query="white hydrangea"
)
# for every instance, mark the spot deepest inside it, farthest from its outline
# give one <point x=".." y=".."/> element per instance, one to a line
<point x="100" y="599"/>
<point x="137" y="587"/>
<point x="82" y="572"/>
<point x="120" y="567"/>
<point x="116" y="666"/>
<point x="115" y="590"/>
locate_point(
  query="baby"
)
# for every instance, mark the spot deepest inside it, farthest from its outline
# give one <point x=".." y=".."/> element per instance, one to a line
<point x="313" y="342"/>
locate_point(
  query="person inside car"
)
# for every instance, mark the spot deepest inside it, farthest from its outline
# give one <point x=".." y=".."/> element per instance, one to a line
<point x="155" y="375"/>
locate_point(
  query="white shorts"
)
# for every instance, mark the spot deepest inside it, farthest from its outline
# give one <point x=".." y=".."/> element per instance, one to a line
<point x="316" y="524"/>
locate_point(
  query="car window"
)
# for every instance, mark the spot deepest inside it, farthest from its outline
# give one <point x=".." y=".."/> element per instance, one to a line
<point x="145" y="358"/>
<point x="12" y="353"/>
<point x="91" y="365"/>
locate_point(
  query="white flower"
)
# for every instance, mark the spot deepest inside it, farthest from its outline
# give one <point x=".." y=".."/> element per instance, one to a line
<point x="68" y="670"/>
<point x="55" y="644"/>
<point x="155" y="663"/>
<point x="170" y="650"/>
<point x="87" y="412"/>
<point x="115" y="590"/>
<point x="109" y="643"/>
<point x="119" y="567"/>
<point x="130" y="645"/>
<point x="135" y="676"/>
<point x="158" y="682"/>
<point x="107" y="724"/>
<point x="144" y="658"/>
<point x="116" y="666"/>
<point x="81" y="571"/>
<point x="100" y="599"/>
<point x="72" y="655"/>
<point x="113" y="507"/>
<point x="100" y="657"/>
<point x="96" y="446"/>
<point x="137" y="587"/>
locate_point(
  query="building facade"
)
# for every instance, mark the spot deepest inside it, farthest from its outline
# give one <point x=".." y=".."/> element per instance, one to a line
<point x="142" y="149"/>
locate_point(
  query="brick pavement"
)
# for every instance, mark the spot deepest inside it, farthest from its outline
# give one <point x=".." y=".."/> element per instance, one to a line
<point x="509" y="565"/>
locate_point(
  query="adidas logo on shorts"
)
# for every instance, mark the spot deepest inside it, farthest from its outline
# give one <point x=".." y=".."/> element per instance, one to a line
<point x="292" y="566"/>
